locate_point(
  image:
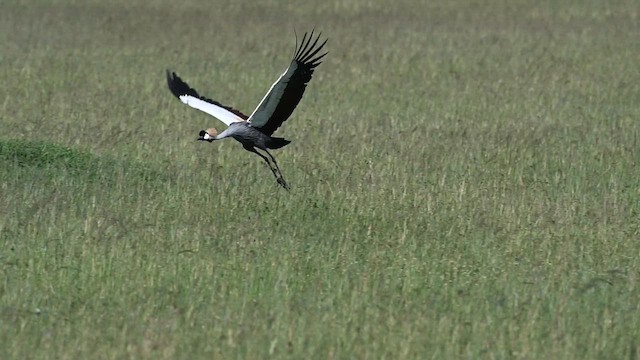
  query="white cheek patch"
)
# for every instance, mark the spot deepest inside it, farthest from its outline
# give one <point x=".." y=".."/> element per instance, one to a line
<point x="207" y="136"/>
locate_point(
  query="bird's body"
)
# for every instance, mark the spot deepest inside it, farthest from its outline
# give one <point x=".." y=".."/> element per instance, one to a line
<point x="247" y="135"/>
<point x="254" y="132"/>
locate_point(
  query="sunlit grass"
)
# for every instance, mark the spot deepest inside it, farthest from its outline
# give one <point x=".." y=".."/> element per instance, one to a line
<point x="464" y="182"/>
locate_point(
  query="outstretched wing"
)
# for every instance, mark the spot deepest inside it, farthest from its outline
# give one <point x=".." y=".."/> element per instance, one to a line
<point x="191" y="97"/>
<point x="285" y="94"/>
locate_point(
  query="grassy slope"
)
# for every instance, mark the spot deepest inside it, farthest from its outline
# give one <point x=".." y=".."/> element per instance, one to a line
<point x="464" y="173"/>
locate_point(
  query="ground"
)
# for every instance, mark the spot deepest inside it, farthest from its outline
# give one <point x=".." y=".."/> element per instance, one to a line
<point x="464" y="182"/>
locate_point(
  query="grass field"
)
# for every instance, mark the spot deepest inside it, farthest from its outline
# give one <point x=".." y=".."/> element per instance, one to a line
<point x="465" y="182"/>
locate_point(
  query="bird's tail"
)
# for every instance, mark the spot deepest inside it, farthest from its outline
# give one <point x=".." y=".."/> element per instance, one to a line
<point x="277" y="143"/>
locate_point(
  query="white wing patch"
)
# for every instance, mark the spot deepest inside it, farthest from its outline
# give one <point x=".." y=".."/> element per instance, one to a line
<point x="218" y="112"/>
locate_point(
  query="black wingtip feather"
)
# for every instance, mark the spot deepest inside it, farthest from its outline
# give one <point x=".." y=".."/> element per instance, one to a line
<point x="171" y="84"/>
<point x="303" y="50"/>
<point x="304" y="37"/>
<point x="312" y="47"/>
<point x="178" y="88"/>
<point x="315" y="62"/>
<point x="308" y="50"/>
<point x="311" y="53"/>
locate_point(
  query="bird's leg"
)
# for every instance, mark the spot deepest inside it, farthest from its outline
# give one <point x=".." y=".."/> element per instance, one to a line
<point x="280" y="179"/>
<point x="275" y="171"/>
<point x="274" y="162"/>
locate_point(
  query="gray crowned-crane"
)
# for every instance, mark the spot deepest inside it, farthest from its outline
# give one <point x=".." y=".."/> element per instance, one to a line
<point x="254" y="131"/>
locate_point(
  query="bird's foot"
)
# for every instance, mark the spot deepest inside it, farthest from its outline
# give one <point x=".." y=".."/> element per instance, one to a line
<point x="283" y="183"/>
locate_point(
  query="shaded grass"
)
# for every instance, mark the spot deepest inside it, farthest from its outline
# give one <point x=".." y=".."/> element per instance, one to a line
<point x="46" y="160"/>
<point x="39" y="154"/>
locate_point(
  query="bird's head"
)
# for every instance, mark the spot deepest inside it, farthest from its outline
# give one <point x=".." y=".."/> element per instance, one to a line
<point x="208" y="135"/>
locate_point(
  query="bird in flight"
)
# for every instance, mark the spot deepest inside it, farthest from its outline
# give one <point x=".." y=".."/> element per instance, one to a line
<point x="254" y="131"/>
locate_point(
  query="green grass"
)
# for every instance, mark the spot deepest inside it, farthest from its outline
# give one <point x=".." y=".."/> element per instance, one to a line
<point x="465" y="182"/>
